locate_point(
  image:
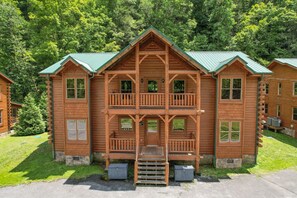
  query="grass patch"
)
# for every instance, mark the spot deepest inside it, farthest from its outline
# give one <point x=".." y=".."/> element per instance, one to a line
<point x="279" y="152"/>
<point x="28" y="159"/>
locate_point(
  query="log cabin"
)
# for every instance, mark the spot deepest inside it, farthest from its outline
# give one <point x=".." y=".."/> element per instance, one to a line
<point x="281" y="93"/>
<point x="5" y="103"/>
<point x="154" y="103"/>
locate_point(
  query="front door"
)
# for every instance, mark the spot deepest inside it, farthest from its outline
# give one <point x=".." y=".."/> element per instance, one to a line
<point x="152" y="132"/>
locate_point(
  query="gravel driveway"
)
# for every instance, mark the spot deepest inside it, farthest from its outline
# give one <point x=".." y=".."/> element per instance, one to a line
<point x="280" y="184"/>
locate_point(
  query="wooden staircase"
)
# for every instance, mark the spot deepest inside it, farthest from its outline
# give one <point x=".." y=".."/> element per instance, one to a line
<point x="151" y="171"/>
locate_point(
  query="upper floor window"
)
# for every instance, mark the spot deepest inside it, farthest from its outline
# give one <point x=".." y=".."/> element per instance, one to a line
<point x="266" y="88"/>
<point x="230" y="131"/>
<point x="76" y="88"/>
<point x="231" y="88"/>
<point x="77" y="129"/>
<point x="295" y="89"/>
<point x="266" y="109"/>
<point x="278" y="110"/>
<point x="179" y="124"/>
<point x="295" y="113"/>
<point x="126" y="86"/>
<point x="179" y="86"/>
<point x="0" y="92"/>
<point x="126" y="124"/>
<point x="152" y="86"/>
<point x="1" y="117"/>
<point x="279" y="89"/>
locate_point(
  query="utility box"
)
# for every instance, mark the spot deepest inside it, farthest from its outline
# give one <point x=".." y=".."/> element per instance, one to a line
<point x="183" y="173"/>
<point x="269" y="120"/>
<point x="276" y="122"/>
<point x="118" y="171"/>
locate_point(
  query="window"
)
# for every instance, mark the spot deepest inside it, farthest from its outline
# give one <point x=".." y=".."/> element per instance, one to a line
<point x="14" y="112"/>
<point x="76" y="88"/>
<point x="266" y="88"/>
<point x="179" y="86"/>
<point x="152" y="126"/>
<point x="126" y="86"/>
<point x="0" y="92"/>
<point x="295" y="89"/>
<point x="1" y="119"/>
<point x="152" y="86"/>
<point x="231" y="89"/>
<point x="278" y="113"/>
<point x="77" y="130"/>
<point x="126" y="124"/>
<point x="279" y="89"/>
<point x="266" y="109"/>
<point x="179" y="124"/>
<point x="294" y="113"/>
<point x="229" y="131"/>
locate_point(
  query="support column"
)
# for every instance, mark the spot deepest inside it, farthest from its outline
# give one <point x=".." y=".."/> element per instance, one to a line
<point x="136" y="147"/>
<point x="167" y="79"/>
<point x="106" y="120"/>
<point x="137" y="86"/>
<point x="198" y="108"/>
<point x="166" y="148"/>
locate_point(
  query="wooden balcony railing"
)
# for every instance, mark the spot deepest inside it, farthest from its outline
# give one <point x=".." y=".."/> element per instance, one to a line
<point x="182" y="99"/>
<point x="152" y="99"/>
<point x="122" y="99"/>
<point x="122" y="144"/>
<point x="181" y="145"/>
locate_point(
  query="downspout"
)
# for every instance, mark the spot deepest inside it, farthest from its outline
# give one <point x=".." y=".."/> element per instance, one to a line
<point x="216" y="118"/>
<point x="52" y="115"/>
<point x="89" y="115"/>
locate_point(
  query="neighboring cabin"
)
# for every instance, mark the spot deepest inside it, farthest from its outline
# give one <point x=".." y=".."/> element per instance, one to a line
<point x="154" y="101"/>
<point x="281" y="93"/>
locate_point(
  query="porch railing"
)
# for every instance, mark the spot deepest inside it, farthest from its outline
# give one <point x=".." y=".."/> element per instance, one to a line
<point x="181" y="145"/>
<point x="122" y="99"/>
<point x="182" y="99"/>
<point x="122" y="144"/>
<point x="152" y="99"/>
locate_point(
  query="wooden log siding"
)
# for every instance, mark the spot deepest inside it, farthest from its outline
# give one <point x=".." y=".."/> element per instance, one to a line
<point x="182" y="145"/>
<point x="122" y="144"/>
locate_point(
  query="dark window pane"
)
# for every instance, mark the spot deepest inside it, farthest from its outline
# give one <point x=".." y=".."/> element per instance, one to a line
<point x="295" y="114"/>
<point x="267" y="88"/>
<point x="152" y="86"/>
<point x="152" y="126"/>
<point x="179" y="86"/>
<point x="126" y="86"/>
<point x="236" y="83"/>
<point x="225" y="93"/>
<point x="70" y="83"/>
<point x="226" y="83"/>
<point x="224" y="126"/>
<point x="235" y="126"/>
<point x="266" y="108"/>
<point x="235" y="137"/>
<point x="236" y="94"/>
<point x="224" y="136"/>
<point x="81" y="93"/>
<point x="80" y="84"/>
<point x="295" y="89"/>
<point x="178" y="124"/>
<point x="70" y="93"/>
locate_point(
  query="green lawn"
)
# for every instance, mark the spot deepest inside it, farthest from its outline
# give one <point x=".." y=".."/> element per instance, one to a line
<point x="28" y="159"/>
<point x="278" y="152"/>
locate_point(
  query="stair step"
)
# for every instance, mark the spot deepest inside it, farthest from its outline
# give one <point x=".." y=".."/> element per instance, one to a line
<point x="151" y="172"/>
<point x="151" y="168"/>
<point x="151" y="182"/>
<point x="151" y="159"/>
<point x="149" y="177"/>
<point x="152" y="163"/>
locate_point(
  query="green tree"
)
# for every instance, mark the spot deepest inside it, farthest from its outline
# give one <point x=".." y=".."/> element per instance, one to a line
<point x="30" y="118"/>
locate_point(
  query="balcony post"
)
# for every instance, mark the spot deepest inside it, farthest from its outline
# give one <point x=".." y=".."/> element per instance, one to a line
<point x="198" y="108"/>
<point x="106" y="120"/>
<point x="167" y="79"/>
<point x="137" y="86"/>
<point x="166" y="148"/>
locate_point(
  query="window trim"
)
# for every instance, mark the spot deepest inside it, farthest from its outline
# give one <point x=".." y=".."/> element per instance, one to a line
<point x="75" y="88"/>
<point x="77" y="141"/>
<point x="294" y="84"/>
<point x="293" y="114"/>
<point x="178" y="131"/>
<point x="229" y="142"/>
<point x="278" y="110"/>
<point x="279" y="88"/>
<point x="231" y="89"/>
<point x="126" y="131"/>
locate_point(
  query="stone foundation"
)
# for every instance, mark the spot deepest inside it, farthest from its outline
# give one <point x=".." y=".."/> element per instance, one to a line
<point x="229" y="163"/>
<point x="59" y="156"/>
<point x="289" y="132"/>
<point x="77" y="160"/>
<point x="249" y="159"/>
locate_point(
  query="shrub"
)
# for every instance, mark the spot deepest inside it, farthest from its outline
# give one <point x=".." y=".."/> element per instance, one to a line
<point x="30" y="118"/>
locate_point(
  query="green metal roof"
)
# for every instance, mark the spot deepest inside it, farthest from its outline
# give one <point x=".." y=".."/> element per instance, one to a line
<point x="289" y="61"/>
<point x="209" y="61"/>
